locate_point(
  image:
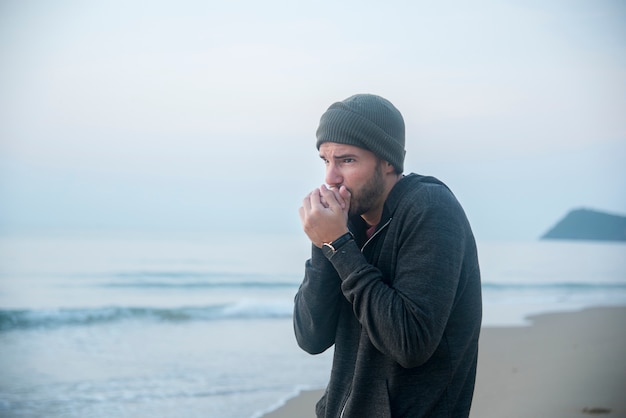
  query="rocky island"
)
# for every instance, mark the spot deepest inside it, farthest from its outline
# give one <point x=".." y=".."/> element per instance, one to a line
<point x="588" y="224"/>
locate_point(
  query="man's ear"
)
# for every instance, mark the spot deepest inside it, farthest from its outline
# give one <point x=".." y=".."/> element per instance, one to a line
<point x="389" y="167"/>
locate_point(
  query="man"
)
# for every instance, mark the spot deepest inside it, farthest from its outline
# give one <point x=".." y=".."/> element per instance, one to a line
<point x="393" y="281"/>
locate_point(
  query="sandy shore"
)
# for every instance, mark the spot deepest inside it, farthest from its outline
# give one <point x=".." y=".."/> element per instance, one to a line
<point x="565" y="365"/>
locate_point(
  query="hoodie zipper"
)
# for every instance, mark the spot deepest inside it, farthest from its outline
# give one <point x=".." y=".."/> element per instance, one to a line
<point x="343" y="409"/>
<point x="376" y="233"/>
<point x="345" y="404"/>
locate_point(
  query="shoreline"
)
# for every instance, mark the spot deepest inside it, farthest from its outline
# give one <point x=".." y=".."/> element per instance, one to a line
<point x="562" y="365"/>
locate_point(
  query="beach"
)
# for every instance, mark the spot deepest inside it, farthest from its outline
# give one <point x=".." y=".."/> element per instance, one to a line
<point x="562" y="365"/>
<point x="129" y="325"/>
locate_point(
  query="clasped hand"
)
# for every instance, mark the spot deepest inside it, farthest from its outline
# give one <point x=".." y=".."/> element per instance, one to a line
<point x="324" y="214"/>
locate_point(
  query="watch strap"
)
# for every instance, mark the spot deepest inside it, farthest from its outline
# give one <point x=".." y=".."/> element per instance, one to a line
<point x="331" y="248"/>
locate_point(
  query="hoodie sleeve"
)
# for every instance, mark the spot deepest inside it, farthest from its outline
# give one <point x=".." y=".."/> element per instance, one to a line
<point x="317" y="304"/>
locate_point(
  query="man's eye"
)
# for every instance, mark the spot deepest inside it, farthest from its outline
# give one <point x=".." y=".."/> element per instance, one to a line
<point x="348" y="160"/>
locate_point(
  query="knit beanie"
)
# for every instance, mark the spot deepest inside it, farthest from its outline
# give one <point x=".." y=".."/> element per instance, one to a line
<point x="366" y="121"/>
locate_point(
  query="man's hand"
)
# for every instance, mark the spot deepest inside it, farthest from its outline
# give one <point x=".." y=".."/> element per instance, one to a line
<point x="324" y="214"/>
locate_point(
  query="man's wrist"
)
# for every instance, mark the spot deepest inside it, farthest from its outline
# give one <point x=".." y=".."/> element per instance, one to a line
<point x="330" y="248"/>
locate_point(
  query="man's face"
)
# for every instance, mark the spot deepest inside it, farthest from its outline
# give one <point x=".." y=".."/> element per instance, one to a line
<point x="359" y="170"/>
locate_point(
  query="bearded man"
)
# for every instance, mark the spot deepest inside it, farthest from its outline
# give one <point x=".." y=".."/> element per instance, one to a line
<point x="393" y="281"/>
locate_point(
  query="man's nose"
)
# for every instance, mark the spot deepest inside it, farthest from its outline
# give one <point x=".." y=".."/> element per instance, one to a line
<point x="333" y="176"/>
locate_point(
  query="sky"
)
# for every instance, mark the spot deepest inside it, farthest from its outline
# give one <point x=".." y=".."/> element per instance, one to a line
<point x="201" y="115"/>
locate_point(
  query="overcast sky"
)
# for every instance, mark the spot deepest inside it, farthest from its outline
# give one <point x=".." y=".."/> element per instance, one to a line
<point x="202" y="114"/>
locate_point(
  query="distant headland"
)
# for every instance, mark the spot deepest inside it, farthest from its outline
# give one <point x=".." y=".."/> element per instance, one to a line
<point x="588" y="224"/>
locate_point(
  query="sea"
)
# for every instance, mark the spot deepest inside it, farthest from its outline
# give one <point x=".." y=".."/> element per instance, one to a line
<point x="120" y="324"/>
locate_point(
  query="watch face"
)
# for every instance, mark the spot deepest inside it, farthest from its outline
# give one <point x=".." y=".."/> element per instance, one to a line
<point x="327" y="250"/>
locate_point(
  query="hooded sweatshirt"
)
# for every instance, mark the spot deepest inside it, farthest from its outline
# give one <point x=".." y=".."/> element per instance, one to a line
<point x="402" y="309"/>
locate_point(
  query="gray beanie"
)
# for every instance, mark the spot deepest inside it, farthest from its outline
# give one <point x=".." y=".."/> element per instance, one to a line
<point x="366" y="121"/>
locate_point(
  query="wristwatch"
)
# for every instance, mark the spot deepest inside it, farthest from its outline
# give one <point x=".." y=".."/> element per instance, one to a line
<point x="330" y="248"/>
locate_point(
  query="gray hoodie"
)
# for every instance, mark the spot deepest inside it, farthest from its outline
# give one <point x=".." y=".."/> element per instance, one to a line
<point x="403" y="310"/>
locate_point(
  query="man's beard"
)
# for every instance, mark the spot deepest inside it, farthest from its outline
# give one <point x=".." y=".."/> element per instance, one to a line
<point x="364" y="199"/>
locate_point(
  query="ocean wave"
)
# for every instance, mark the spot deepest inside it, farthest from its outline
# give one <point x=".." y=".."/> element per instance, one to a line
<point x="184" y="274"/>
<point x="195" y="279"/>
<point x="570" y="286"/>
<point x="62" y="317"/>
<point x="200" y="284"/>
<point x="16" y="319"/>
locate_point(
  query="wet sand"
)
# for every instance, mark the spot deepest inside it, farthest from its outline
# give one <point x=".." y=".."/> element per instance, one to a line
<point x="564" y="365"/>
